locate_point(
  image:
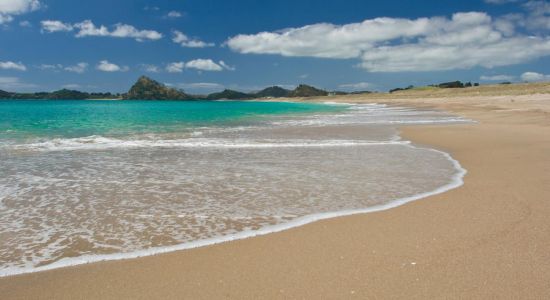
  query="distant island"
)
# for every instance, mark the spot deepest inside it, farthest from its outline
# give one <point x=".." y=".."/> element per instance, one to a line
<point x="146" y="88"/>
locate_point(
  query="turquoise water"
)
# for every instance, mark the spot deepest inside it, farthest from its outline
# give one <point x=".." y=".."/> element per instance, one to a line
<point x="84" y="181"/>
<point x="20" y="119"/>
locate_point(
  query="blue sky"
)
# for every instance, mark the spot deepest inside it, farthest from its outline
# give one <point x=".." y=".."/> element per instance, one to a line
<point x="207" y="45"/>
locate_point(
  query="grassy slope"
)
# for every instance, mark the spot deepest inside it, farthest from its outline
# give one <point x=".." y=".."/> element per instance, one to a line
<point x="484" y="90"/>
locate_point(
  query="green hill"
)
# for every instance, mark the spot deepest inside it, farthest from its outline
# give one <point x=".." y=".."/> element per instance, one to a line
<point x="304" y="90"/>
<point x="230" y="95"/>
<point x="274" y="91"/>
<point x="148" y="89"/>
<point x="5" y="95"/>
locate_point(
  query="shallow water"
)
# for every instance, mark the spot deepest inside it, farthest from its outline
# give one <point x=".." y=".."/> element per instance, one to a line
<point x="135" y="185"/>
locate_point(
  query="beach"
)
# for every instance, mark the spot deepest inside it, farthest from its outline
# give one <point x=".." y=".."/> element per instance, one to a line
<point x="486" y="239"/>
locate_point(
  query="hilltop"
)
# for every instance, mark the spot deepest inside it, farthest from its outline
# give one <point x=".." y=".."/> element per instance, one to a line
<point x="307" y="91"/>
<point x="146" y="88"/>
<point x="274" y="92"/>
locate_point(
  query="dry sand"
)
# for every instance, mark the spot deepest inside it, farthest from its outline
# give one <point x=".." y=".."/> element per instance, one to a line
<point x="487" y="239"/>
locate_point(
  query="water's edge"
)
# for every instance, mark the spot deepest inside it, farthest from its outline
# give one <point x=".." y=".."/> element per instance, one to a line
<point x="456" y="181"/>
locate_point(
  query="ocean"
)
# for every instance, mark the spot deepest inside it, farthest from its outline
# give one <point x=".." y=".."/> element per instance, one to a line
<point x="85" y="181"/>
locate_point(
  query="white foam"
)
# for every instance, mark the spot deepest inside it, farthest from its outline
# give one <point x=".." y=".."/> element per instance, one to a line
<point x="456" y="181"/>
<point x="102" y="143"/>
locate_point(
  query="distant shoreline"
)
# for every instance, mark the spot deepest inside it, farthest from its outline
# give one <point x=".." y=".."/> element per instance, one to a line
<point x="148" y="89"/>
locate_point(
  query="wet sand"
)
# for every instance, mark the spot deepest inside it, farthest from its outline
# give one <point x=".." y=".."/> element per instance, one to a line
<point x="489" y="238"/>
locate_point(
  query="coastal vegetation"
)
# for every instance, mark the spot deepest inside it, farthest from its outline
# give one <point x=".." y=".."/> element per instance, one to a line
<point x="146" y="88"/>
<point x="58" y="95"/>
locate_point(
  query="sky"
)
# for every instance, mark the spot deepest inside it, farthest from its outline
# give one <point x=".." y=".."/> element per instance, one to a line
<point x="202" y="46"/>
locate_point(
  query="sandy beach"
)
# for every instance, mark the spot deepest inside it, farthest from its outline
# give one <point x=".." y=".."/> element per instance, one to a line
<point x="490" y="238"/>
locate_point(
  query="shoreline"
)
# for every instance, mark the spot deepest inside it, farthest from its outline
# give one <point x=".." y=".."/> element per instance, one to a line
<point x="456" y="181"/>
<point x="310" y="260"/>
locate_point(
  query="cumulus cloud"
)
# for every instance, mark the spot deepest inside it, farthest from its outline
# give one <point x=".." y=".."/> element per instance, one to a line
<point x="10" y="65"/>
<point x="463" y="41"/>
<point x="539" y="15"/>
<point x="203" y="65"/>
<point x="10" y="8"/>
<point x="78" y="68"/>
<point x="175" y="67"/>
<point x="497" y="78"/>
<point x="198" y="64"/>
<point x="88" y="28"/>
<point x="184" y="41"/>
<point x="534" y="76"/>
<point x="55" y="26"/>
<point x="106" y="66"/>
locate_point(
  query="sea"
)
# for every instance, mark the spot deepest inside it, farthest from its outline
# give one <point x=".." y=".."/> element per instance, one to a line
<point x="84" y="181"/>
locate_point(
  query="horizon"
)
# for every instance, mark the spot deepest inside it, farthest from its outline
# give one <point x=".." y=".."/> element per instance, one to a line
<point x="335" y="46"/>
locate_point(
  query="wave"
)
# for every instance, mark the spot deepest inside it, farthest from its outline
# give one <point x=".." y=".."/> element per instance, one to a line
<point x="455" y="182"/>
<point x="103" y="143"/>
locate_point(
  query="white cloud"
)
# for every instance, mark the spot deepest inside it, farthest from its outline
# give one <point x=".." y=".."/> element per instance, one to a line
<point x="203" y="65"/>
<point x="10" y="65"/>
<point x="226" y="66"/>
<point x="539" y="15"/>
<point x="106" y="66"/>
<point x="197" y="64"/>
<point x="497" y="78"/>
<point x="533" y="76"/>
<point x="78" y="68"/>
<point x="464" y="41"/>
<point x="174" y="14"/>
<point x="184" y="41"/>
<point x="10" y="8"/>
<point x="55" y="26"/>
<point x="356" y="86"/>
<point x="14" y="83"/>
<point x="88" y="28"/>
<point x="125" y="31"/>
<point x="175" y="67"/>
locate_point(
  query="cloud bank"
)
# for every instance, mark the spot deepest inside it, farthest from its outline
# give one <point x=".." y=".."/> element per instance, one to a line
<point x="466" y="40"/>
